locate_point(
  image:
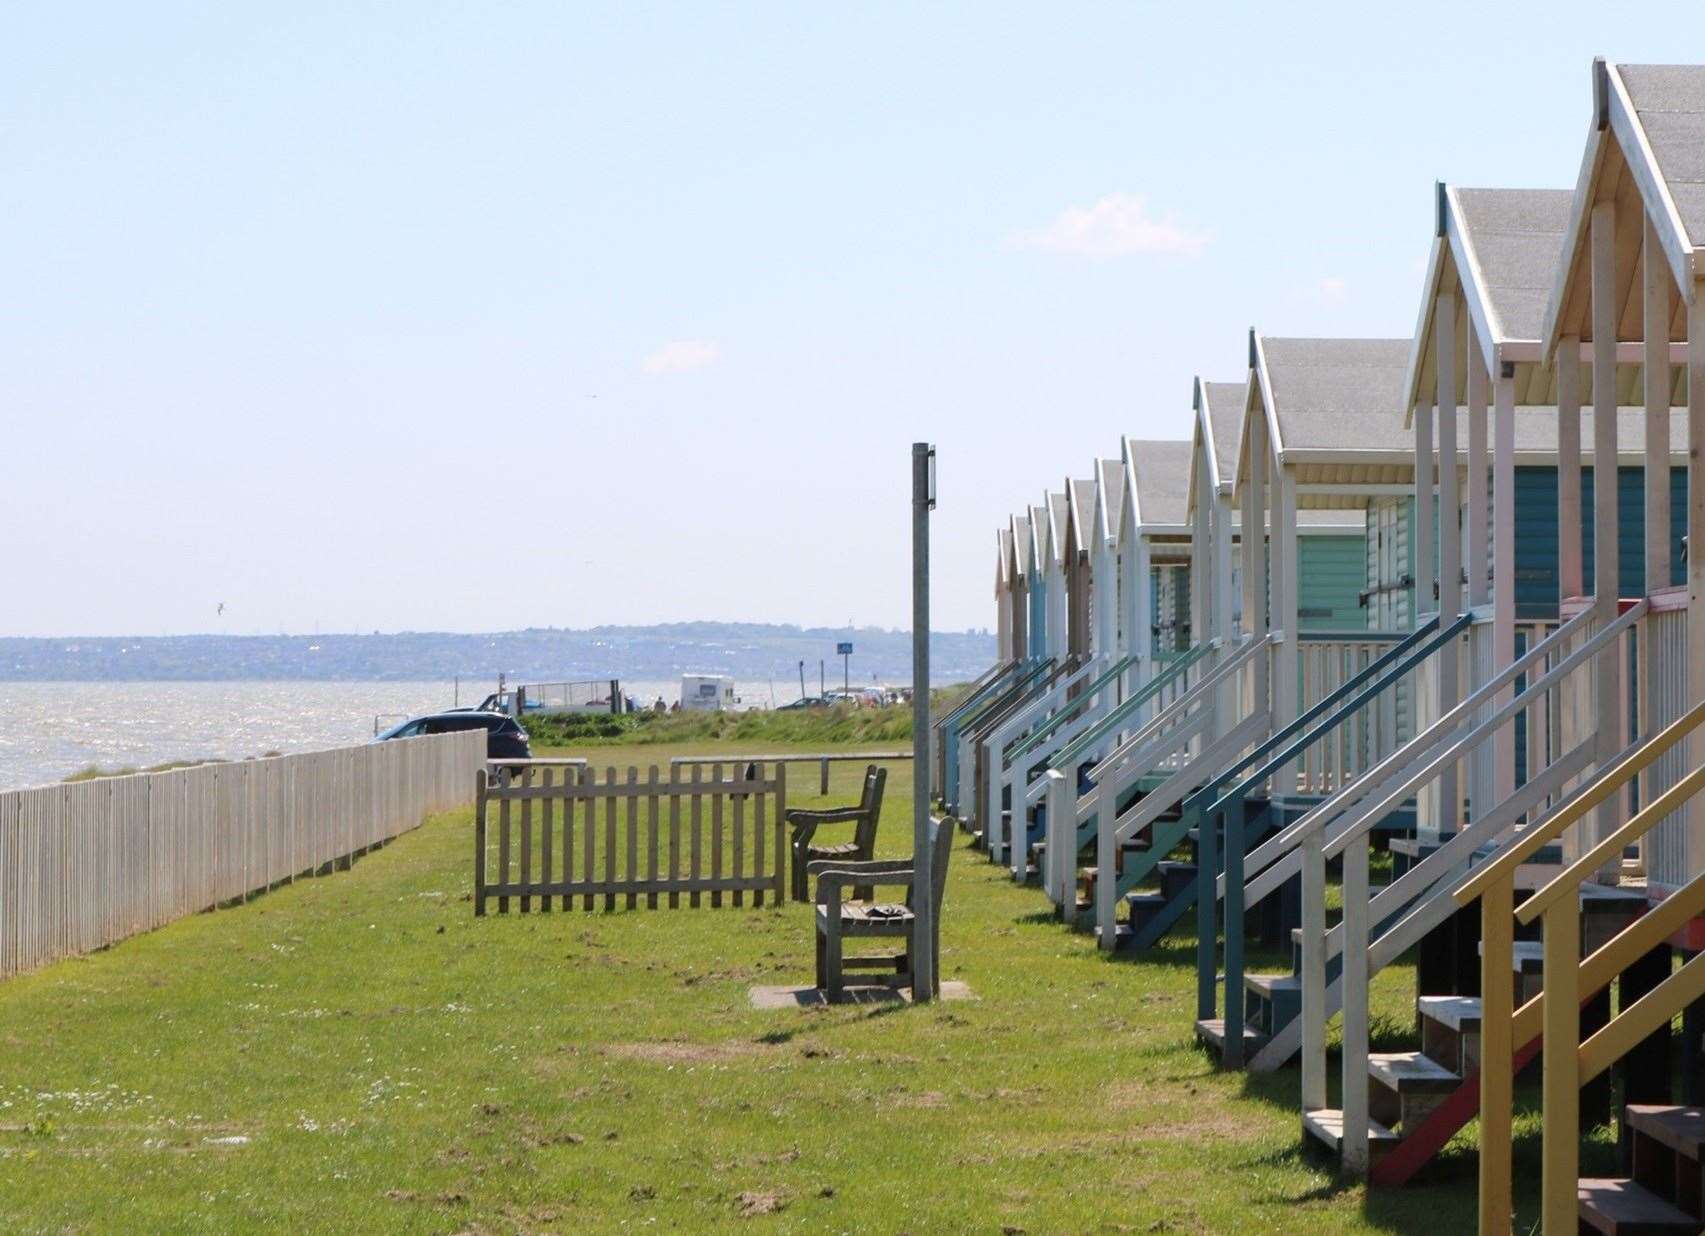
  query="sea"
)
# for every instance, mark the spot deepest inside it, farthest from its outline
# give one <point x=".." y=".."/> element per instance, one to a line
<point x="49" y="730"/>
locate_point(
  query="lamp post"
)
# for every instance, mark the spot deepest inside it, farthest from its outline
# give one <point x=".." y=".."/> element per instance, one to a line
<point x="925" y="983"/>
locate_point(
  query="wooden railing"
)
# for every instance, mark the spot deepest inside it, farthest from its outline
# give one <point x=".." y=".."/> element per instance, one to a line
<point x="84" y="865"/>
<point x="1568" y="1062"/>
<point x="1419" y="900"/>
<point x="1328" y="660"/>
<point x="693" y="833"/>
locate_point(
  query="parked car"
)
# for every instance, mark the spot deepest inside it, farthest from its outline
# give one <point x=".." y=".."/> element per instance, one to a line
<point x="806" y="701"/>
<point x="505" y="739"/>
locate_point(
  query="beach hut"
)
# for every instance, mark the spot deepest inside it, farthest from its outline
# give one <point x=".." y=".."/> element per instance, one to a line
<point x="1627" y="306"/>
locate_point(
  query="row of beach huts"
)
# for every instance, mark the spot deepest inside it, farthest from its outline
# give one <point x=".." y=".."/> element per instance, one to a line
<point x="1368" y="665"/>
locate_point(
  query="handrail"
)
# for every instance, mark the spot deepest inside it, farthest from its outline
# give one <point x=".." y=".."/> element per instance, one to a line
<point x="1403" y="651"/>
<point x="1141" y="696"/>
<point x="1382" y="773"/>
<point x="1607" y="784"/>
<point x="979" y="693"/>
<point x="1643" y="821"/>
<point x="1567" y="1061"/>
<point x="1209" y="683"/>
<point x="1033" y="740"/>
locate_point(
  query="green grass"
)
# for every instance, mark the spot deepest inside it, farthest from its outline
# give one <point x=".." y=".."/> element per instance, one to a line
<point x="756" y="732"/>
<point x="394" y="1064"/>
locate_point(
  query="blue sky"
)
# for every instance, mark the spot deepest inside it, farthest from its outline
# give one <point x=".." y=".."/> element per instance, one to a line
<point x="418" y="316"/>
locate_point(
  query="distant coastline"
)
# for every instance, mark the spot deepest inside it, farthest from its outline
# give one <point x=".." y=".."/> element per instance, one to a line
<point x="749" y="651"/>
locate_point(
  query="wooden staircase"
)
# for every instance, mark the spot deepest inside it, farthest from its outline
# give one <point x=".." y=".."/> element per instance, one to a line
<point x="1663" y="1194"/>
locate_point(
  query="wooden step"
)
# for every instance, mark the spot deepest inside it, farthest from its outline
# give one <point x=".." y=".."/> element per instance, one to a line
<point x="1622" y="1208"/>
<point x="1407" y="1087"/>
<point x="1326" y="1126"/>
<point x="1682" y="1129"/>
<point x="1450" y="1031"/>
<point x="1211" y="1033"/>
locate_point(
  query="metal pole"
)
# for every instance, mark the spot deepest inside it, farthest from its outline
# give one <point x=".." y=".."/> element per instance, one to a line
<point x="802" y="679"/>
<point x="924" y="981"/>
<point x="846" y="671"/>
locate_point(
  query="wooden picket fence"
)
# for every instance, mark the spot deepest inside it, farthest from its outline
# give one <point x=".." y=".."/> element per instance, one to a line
<point x="84" y="865"/>
<point x="565" y="833"/>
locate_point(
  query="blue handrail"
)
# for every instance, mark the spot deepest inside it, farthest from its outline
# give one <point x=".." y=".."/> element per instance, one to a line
<point x="1143" y="695"/>
<point x="1031" y="741"/>
<point x="1390" y="666"/>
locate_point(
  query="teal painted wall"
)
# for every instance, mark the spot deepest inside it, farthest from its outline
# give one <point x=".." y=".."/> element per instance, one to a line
<point x="1536" y="535"/>
<point x="1332" y="571"/>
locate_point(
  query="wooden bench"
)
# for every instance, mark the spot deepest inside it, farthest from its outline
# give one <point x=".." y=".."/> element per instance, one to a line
<point x="839" y="919"/>
<point x="862" y="848"/>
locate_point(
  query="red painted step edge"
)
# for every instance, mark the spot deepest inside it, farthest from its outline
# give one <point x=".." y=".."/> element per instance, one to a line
<point x="1417" y="1149"/>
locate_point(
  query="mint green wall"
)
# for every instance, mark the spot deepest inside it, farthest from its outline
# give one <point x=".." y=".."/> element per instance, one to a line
<point x="1332" y="571"/>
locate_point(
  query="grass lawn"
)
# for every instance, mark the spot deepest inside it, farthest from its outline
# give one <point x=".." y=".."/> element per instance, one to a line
<point x="358" y="1053"/>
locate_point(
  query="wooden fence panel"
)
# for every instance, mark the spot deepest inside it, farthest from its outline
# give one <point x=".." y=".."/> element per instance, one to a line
<point x="84" y="865"/>
<point x="617" y="820"/>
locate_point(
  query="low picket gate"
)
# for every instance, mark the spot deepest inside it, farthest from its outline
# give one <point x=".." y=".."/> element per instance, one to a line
<point x="539" y="835"/>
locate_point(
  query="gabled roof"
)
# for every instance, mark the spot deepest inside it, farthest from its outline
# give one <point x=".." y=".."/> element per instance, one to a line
<point x="1109" y="497"/>
<point x="1022" y="547"/>
<point x="1041" y="540"/>
<point x="1501" y="247"/>
<point x="1080" y="515"/>
<point x="1218" y="410"/>
<point x="1343" y="396"/>
<point x="1059" y="511"/>
<point x="1003" y="560"/>
<point x="1156" y="477"/>
<point x="1645" y="151"/>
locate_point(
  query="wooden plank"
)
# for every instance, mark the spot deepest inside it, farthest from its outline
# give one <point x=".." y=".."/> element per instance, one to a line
<point x="1607" y="670"/>
<point x="675" y="792"/>
<point x="758" y="844"/>
<point x="739" y="869"/>
<point x="479" y="848"/>
<point x="780" y="859"/>
<point x="698" y="811"/>
<point x="589" y="783"/>
<point x="527" y="843"/>
<point x="571" y="785"/>
<point x="633" y="830"/>
<point x="622" y="887"/>
<point x="716" y="834"/>
<point x="651" y="834"/>
<point x="546" y="829"/>
<point x="609" y="839"/>
<point x="503" y="851"/>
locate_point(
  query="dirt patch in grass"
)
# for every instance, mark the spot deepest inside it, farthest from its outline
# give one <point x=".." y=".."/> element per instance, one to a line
<point x="675" y="1052"/>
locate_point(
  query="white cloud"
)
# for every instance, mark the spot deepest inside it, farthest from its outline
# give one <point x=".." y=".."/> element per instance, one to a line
<point x="1118" y="225"/>
<point x="681" y="356"/>
<point x="1333" y="288"/>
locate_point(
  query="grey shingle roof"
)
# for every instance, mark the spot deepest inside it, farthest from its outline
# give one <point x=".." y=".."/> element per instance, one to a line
<point x="1669" y="99"/>
<point x="1338" y="394"/>
<point x="1058" y="507"/>
<point x="1225" y="414"/>
<point x="1517" y="236"/>
<point x="1162" y="475"/>
<point x="1112" y="493"/>
<point x="1083" y="513"/>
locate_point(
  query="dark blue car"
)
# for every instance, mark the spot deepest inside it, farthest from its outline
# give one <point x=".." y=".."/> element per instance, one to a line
<point x="505" y="739"/>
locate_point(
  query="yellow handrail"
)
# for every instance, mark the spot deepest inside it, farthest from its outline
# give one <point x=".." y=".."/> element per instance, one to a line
<point x="1568" y="1061"/>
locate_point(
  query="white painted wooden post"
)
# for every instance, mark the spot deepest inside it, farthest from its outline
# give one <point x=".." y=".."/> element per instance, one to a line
<point x="1696" y="550"/>
<point x="1142" y="632"/>
<point x="1504" y="569"/>
<point x="1226" y="703"/>
<point x="1655" y="312"/>
<point x="1480" y="760"/>
<point x="1255" y="554"/>
<point x="1450" y="540"/>
<point x="1355" y="1003"/>
<point x="1607" y="695"/>
<point x="1571" y="704"/>
<point x="1288" y="656"/>
<point x="1313" y="972"/>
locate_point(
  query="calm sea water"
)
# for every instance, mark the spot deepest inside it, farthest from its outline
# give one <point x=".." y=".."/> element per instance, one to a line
<point x="51" y="729"/>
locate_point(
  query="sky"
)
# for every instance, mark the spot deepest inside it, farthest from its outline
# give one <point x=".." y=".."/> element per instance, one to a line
<point x="353" y="317"/>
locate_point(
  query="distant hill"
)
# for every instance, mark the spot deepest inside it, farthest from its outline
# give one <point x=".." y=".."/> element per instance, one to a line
<point x="748" y="651"/>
